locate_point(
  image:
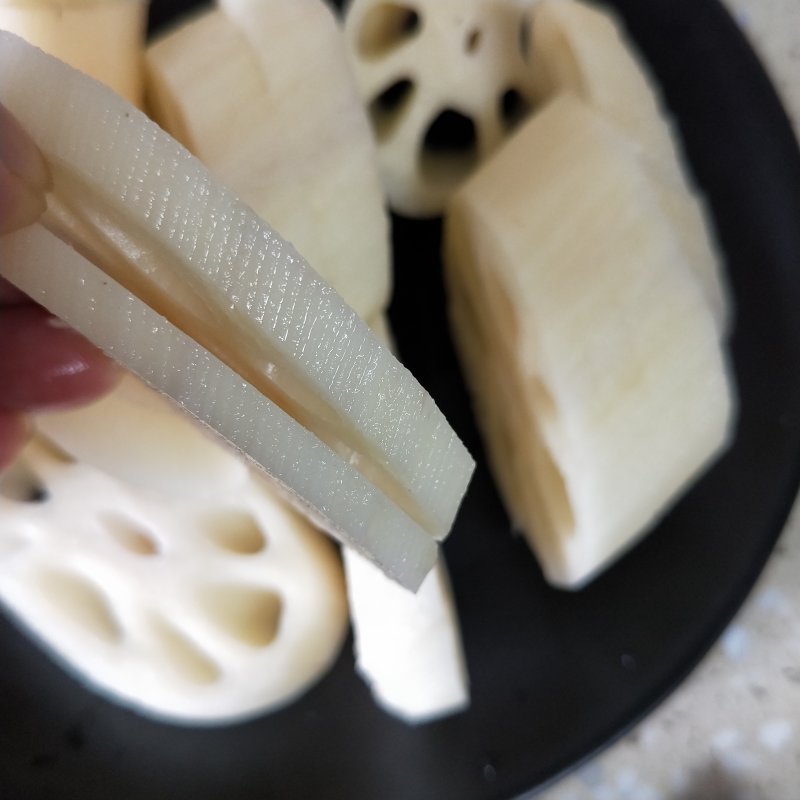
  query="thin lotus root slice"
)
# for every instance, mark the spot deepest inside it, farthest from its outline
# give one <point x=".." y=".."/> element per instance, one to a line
<point x="445" y="82"/>
<point x="192" y="605"/>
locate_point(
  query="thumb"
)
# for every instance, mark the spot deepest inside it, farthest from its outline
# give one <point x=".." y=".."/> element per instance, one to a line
<point x="24" y="176"/>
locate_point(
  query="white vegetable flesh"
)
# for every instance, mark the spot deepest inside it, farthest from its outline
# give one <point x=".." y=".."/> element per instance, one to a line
<point x="583" y="49"/>
<point x="197" y="603"/>
<point x="326" y="409"/>
<point x="407" y="646"/>
<point x="419" y="64"/>
<point x="136" y="436"/>
<point x="594" y="358"/>
<point x="295" y="458"/>
<point x="262" y="94"/>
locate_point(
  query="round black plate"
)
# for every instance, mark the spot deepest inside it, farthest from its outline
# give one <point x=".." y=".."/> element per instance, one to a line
<point x="555" y="676"/>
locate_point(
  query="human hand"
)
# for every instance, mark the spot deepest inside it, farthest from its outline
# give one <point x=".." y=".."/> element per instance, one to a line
<point x="43" y="363"/>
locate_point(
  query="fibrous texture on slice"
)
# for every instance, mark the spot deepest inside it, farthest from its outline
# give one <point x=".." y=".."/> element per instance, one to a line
<point x="327" y="487"/>
<point x="599" y="380"/>
<point x="445" y="81"/>
<point x="583" y="49"/>
<point x="687" y="212"/>
<point x="262" y="93"/>
<point x="185" y="285"/>
<point x="103" y="38"/>
<point x="194" y="601"/>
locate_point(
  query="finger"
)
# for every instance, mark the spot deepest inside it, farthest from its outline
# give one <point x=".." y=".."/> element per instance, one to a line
<point x="14" y="431"/>
<point x="46" y="365"/>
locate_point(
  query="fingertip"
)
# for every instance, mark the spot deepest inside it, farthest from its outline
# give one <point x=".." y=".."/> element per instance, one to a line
<point x="44" y="364"/>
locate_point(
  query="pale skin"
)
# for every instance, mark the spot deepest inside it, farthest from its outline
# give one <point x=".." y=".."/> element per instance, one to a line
<point x="44" y="365"/>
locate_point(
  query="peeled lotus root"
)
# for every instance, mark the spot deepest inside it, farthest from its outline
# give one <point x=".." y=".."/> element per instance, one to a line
<point x="192" y="599"/>
<point x="445" y="82"/>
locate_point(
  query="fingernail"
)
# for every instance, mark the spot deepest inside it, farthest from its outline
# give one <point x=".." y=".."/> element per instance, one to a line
<point x="20" y="155"/>
<point x="20" y="205"/>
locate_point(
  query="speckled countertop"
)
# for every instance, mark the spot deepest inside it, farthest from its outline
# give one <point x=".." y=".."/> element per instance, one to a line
<point x="732" y="730"/>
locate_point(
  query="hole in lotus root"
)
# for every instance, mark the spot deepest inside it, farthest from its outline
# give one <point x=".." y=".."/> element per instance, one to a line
<point x="236" y="531"/>
<point x="251" y="615"/>
<point x="451" y="131"/>
<point x="472" y="41"/>
<point x="130" y="535"/>
<point x="182" y="655"/>
<point x="450" y="148"/>
<point x="513" y="107"/>
<point x="385" y="27"/>
<point x="80" y="600"/>
<point x="21" y="485"/>
<point x="387" y="108"/>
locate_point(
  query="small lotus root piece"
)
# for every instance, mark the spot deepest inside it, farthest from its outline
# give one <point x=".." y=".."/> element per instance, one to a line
<point x="190" y="606"/>
<point x="445" y="82"/>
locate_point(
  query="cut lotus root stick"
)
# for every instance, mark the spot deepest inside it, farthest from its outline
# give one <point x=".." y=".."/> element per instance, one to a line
<point x="582" y="48"/>
<point x="185" y="285"/>
<point x="196" y="599"/>
<point x="261" y="92"/>
<point x="600" y="382"/>
<point x="407" y="646"/>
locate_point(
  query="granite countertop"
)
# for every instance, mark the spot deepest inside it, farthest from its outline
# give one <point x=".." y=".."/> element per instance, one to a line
<point x="732" y="730"/>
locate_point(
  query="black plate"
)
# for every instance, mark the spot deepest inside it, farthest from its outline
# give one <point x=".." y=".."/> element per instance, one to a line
<point x="555" y="676"/>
